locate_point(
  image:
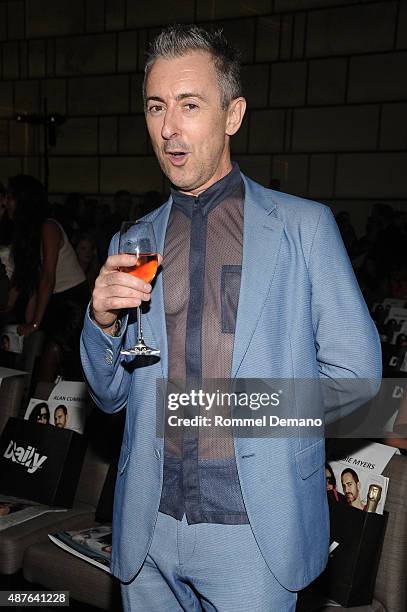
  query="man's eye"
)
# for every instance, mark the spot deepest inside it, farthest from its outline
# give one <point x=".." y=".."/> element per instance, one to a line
<point x="155" y="109"/>
<point x="191" y="106"/>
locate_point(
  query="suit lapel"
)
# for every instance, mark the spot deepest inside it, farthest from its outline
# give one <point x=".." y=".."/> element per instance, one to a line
<point x="156" y="313"/>
<point x="262" y="233"/>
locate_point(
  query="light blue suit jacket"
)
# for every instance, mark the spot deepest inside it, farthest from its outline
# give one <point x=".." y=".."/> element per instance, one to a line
<point x="300" y="314"/>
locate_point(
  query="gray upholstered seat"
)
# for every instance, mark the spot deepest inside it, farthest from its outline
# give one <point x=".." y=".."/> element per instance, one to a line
<point x="27" y="359"/>
<point x="11" y="395"/>
<point x="91" y="585"/>
<point x="86" y="583"/>
<point x="15" y="540"/>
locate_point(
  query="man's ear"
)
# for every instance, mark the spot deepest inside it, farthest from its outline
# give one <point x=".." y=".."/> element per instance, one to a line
<point x="235" y="114"/>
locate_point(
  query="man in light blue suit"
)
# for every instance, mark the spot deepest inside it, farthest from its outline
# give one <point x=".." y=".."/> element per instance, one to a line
<point x="254" y="284"/>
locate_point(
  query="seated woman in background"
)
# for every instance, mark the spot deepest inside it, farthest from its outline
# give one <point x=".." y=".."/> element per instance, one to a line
<point x="47" y="275"/>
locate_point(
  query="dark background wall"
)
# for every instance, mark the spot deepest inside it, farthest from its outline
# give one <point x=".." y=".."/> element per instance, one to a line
<point x="325" y="82"/>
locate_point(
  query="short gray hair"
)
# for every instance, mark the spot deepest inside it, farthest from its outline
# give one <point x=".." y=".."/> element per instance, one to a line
<point x="180" y="39"/>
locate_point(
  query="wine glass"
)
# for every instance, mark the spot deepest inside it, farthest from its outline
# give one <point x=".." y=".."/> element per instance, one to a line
<point x="137" y="238"/>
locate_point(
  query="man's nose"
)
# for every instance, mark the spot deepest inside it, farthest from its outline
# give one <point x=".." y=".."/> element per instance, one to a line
<point x="170" y="128"/>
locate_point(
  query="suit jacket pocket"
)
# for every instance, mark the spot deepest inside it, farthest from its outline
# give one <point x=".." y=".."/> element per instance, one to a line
<point x="230" y="289"/>
<point x="310" y="459"/>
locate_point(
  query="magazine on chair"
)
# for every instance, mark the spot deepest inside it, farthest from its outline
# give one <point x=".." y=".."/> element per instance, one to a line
<point x="93" y="544"/>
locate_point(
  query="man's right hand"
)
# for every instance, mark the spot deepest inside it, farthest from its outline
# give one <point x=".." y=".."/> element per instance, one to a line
<point x="115" y="290"/>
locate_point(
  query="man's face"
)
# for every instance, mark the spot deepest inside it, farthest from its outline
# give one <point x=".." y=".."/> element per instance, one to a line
<point x="350" y="487"/>
<point x="59" y="418"/>
<point x="189" y="130"/>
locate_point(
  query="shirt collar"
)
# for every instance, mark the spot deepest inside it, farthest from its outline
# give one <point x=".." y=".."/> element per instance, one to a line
<point x="211" y="197"/>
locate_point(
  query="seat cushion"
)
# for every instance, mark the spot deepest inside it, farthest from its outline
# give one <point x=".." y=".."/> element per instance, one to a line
<point x="313" y="601"/>
<point x="15" y="540"/>
<point x="56" y="569"/>
<point x="375" y="606"/>
<point x="11" y="394"/>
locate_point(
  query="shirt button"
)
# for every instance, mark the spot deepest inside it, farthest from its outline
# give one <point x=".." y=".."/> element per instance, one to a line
<point x="157" y="453"/>
<point x="109" y="357"/>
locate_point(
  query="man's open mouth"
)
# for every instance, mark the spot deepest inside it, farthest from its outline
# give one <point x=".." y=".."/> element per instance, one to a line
<point x="177" y="157"/>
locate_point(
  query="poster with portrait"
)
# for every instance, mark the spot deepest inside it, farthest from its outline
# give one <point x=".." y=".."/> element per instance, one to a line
<point x="65" y="408"/>
<point x="359" y="487"/>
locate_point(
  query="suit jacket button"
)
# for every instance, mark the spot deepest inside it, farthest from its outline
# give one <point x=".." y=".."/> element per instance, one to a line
<point x="157" y="453"/>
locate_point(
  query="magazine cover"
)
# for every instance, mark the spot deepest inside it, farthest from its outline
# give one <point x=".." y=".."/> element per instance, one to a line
<point x="356" y="486"/>
<point x="10" y="340"/>
<point x="356" y="477"/>
<point x="66" y="407"/>
<point x="14" y="511"/>
<point x="93" y="544"/>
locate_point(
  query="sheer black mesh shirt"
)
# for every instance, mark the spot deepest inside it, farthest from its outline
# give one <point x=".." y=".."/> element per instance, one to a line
<point x="201" y="277"/>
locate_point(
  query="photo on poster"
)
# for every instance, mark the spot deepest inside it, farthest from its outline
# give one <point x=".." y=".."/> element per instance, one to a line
<point x="357" y="486"/>
<point x="66" y="407"/>
<point x="63" y="415"/>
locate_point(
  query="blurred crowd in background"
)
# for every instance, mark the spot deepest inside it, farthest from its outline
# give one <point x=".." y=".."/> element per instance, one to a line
<point x="51" y="254"/>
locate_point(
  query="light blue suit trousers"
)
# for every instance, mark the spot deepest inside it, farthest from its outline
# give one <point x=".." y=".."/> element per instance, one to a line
<point x="210" y="567"/>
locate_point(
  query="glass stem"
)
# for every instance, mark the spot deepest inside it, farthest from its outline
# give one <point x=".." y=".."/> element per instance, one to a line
<point x="139" y="330"/>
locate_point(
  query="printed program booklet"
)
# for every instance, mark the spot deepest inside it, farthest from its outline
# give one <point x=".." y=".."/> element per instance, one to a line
<point x="93" y="544"/>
